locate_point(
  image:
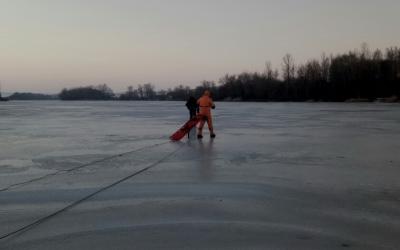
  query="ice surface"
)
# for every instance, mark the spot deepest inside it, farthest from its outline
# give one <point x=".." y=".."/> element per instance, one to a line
<point x="278" y="176"/>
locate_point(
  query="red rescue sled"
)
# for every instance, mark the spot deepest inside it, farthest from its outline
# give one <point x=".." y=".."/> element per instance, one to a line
<point x="185" y="129"/>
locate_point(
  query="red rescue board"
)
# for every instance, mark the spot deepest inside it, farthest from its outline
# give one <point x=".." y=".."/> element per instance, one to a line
<point x="178" y="135"/>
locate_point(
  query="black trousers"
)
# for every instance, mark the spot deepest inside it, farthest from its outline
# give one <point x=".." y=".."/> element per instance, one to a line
<point x="192" y="113"/>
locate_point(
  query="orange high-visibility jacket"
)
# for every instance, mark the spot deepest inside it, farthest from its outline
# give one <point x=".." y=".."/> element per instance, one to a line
<point x="205" y="104"/>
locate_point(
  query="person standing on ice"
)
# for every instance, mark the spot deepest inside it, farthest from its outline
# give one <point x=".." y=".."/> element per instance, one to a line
<point x="205" y="105"/>
<point x="191" y="104"/>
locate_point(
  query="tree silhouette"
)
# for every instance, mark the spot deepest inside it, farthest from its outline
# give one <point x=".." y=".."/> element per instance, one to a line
<point x="360" y="74"/>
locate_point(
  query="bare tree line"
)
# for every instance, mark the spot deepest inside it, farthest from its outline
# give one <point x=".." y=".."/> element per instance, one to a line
<point x="359" y="75"/>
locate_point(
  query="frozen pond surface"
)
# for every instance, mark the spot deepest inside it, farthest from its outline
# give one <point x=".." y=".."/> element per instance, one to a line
<point x="278" y="176"/>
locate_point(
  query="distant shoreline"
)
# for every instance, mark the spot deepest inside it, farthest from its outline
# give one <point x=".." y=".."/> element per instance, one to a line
<point x="379" y="100"/>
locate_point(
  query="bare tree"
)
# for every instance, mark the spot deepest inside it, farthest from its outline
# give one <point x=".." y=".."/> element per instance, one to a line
<point x="140" y="91"/>
<point x="325" y="66"/>
<point x="130" y="90"/>
<point x="149" y="91"/>
<point x="288" y="68"/>
<point x="365" y="52"/>
<point x="276" y="74"/>
<point x="269" y="72"/>
<point x="377" y="55"/>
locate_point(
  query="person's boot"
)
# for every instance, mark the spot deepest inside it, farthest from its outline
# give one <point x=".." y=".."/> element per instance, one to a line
<point x="199" y="136"/>
<point x="212" y="134"/>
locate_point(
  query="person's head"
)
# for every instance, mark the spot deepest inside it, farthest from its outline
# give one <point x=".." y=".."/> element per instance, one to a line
<point x="207" y="93"/>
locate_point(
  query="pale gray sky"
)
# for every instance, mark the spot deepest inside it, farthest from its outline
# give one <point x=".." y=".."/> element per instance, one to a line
<point x="49" y="44"/>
